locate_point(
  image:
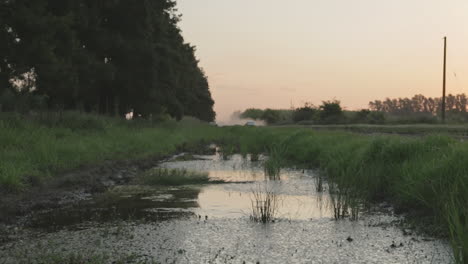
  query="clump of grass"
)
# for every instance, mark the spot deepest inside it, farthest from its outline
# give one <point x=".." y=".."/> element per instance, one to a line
<point x="275" y="161"/>
<point x="228" y="150"/>
<point x="254" y="157"/>
<point x="338" y="201"/>
<point x="344" y="202"/>
<point x="457" y="219"/>
<point x="264" y="204"/>
<point x="272" y="168"/>
<point x="319" y="182"/>
<point x="173" y="177"/>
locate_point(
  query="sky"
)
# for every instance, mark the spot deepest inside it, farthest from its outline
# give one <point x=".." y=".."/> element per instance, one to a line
<point x="279" y="54"/>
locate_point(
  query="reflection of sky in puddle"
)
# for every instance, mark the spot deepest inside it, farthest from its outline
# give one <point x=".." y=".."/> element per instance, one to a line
<point x="297" y="198"/>
<point x="221" y="202"/>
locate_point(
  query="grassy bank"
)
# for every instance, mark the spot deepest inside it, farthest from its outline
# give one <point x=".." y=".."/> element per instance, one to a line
<point x="37" y="148"/>
<point x="426" y="176"/>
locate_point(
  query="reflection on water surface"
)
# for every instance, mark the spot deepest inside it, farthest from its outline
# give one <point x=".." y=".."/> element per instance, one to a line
<point x="211" y="224"/>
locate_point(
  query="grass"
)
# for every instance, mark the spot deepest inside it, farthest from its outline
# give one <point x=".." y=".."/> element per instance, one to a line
<point x="264" y="203"/>
<point x="344" y="202"/>
<point x="34" y="149"/>
<point x="425" y="175"/>
<point x="458" y="130"/>
<point x="173" y="177"/>
<point x="457" y="219"/>
<point x="272" y="166"/>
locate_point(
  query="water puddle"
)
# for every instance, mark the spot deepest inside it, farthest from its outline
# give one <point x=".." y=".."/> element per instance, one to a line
<point x="212" y="223"/>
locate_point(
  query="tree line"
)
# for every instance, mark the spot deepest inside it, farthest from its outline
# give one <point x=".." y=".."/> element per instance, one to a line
<point x="329" y="112"/>
<point x="421" y="104"/>
<point x="105" y="56"/>
<point x="418" y="109"/>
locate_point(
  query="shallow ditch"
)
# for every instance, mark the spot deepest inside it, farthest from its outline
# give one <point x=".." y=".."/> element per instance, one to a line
<point x="212" y="223"/>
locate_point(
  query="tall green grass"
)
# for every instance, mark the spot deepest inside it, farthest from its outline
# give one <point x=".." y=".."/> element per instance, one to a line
<point x="426" y="176"/>
<point x="272" y="166"/>
<point x="34" y="149"/>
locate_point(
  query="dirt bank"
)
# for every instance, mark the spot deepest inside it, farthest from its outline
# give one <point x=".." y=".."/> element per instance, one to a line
<point x="71" y="187"/>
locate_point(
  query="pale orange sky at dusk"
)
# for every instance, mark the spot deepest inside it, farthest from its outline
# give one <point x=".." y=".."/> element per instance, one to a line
<point x="271" y="53"/>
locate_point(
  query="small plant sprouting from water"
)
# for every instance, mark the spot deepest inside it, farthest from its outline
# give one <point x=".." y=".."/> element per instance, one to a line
<point x="337" y="200"/>
<point x="343" y="202"/>
<point x="319" y="182"/>
<point x="264" y="204"/>
<point x="228" y="147"/>
<point x="227" y="151"/>
<point x="254" y="156"/>
<point x="272" y="168"/>
<point x="164" y="176"/>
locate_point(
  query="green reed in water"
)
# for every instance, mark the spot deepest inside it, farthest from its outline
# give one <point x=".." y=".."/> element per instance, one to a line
<point x="276" y="156"/>
<point x="264" y="203"/>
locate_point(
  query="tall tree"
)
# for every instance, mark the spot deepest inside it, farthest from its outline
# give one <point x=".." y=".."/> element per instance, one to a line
<point x="105" y="56"/>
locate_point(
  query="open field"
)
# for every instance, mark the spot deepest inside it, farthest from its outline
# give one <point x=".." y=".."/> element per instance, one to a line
<point x="459" y="131"/>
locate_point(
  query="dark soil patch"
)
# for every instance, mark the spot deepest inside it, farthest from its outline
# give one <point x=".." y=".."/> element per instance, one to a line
<point x="71" y="187"/>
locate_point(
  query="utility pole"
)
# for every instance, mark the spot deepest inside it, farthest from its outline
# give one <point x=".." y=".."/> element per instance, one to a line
<point x="444" y="80"/>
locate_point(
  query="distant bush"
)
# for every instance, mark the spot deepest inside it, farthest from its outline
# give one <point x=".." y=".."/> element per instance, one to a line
<point x="21" y="102"/>
<point x="252" y="113"/>
<point x="306" y="113"/>
<point x="366" y="116"/>
<point x="270" y="116"/>
<point x="331" y="112"/>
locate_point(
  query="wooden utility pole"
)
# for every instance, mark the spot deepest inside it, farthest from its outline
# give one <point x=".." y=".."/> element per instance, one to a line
<point x="444" y="80"/>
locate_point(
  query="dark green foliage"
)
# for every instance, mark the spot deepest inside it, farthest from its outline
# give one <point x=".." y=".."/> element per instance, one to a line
<point x="423" y="109"/>
<point x="111" y="56"/>
<point x="366" y="116"/>
<point x="331" y="112"/>
<point x="416" y="110"/>
<point x="375" y="117"/>
<point x="306" y="113"/>
<point x="271" y="116"/>
<point x="252" y="113"/>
